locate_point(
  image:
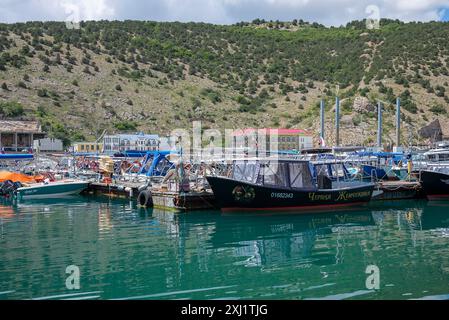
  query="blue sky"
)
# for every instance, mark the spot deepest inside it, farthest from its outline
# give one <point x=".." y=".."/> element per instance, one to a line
<point x="328" y="12"/>
<point x="446" y="15"/>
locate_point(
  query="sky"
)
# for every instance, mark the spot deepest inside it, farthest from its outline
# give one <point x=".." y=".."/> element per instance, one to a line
<point x="328" y="12"/>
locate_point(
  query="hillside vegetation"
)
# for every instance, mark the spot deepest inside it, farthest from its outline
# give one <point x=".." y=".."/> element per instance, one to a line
<point x="154" y="77"/>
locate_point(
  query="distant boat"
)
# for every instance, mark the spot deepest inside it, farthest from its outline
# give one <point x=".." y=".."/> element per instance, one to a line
<point x="288" y="185"/>
<point x="51" y="190"/>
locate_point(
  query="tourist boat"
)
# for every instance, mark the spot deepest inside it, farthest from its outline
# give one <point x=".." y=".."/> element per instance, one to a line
<point x="438" y="157"/>
<point x="288" y="185"/>
<point x="435" y="183"/>
<point x="51" y="190"/>
<point x="380" y="165"/>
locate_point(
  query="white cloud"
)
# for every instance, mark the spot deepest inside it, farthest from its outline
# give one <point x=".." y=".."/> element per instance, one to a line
<point x="329" y="12"/>
<point x="87" y="9"/>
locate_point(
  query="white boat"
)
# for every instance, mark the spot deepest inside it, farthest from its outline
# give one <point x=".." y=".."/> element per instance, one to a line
<point x="51" y="190"/>
<point x="438" y="157"/>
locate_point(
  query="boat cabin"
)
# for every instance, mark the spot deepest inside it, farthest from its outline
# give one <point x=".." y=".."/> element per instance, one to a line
<point x="438" y="155"/>
<point x="293" y="174"/>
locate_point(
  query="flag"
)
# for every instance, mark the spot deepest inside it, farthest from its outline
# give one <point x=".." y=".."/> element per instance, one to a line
<point x="322" y="141"/>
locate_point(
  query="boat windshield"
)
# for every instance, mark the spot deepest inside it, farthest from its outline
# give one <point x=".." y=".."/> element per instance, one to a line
<point x="335" y="171"/>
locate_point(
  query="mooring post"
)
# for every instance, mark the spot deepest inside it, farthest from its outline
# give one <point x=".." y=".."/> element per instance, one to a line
<point x="322" y="119"/>
<point x="337" y="121"/>
<point x="379" y="125"/>
<point x="398" y="123"/>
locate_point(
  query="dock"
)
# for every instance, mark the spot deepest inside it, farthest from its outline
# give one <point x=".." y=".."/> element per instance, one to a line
<point x="168" y="200"/>
<point x="192" y="201"/>
<point x="127" y="191"/>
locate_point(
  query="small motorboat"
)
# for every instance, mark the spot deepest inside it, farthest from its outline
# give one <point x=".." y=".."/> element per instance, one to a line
<point x="51" y="189"/>
<point x="288" y="185"/>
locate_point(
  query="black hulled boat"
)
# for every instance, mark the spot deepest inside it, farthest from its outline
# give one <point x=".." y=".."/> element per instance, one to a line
<point x="435" y="184"/>
<point x="288" y="185"/>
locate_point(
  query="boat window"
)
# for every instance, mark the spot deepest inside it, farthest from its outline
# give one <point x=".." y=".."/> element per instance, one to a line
<point x="300" y="176"/>
<point x="322" y="169"/>
<point x="274" y="174"/>
<point x="239" y="169"/>
<point x="337" y="171"/>
<point x="444" y="157"/>
<point x="246" y="171"/>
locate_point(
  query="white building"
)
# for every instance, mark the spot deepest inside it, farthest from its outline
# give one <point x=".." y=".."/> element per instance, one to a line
<point x="130" y="142"/>
<point x="48" y="145"/>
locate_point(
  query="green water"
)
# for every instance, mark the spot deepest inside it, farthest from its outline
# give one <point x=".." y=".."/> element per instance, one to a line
<point x="124" y="252"/>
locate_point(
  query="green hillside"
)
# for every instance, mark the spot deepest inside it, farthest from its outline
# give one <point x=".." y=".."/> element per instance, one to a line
<point x="154" y="77"/>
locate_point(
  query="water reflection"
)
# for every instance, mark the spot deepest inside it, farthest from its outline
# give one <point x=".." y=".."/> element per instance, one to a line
<point x="125" y="251"/>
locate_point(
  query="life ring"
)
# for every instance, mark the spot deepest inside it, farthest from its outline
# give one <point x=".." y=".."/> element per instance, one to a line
<point x="93" y="165"/>
<point x="136" y="166"/>
<point x="145" y="199"/>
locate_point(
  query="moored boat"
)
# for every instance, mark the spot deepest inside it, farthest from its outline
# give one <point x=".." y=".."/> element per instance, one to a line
<point x="287" y="185"/>
<point x="51" y="190"/>
<point x="435" y="184"/>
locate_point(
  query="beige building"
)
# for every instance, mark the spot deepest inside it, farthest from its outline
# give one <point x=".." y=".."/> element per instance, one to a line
<point x="87" y="147"/>
<point x="19" y="135"/>
<point x="287" y="139"/>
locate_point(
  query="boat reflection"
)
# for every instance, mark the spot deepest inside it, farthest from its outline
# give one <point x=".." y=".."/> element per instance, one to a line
<point x="256" y="241"/>
<point x="270" y="241"/>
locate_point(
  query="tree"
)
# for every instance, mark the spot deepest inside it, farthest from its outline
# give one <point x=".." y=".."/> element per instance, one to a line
<point x="42" y="93"/>
<point x="126" y="126"/>
<point x="22" y="85"/>
<point x="11" y="109"/>
<point x="58" y="59"/>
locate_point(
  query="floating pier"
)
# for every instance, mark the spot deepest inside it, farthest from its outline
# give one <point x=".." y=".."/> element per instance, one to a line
<point x="127" y="190"/>
<point x="176" y="201"/>
<point x="169" y="200"/>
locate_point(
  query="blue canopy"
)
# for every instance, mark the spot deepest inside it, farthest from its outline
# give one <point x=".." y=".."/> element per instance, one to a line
<point x="150" y="166"/>
<point x="16" y="156"/>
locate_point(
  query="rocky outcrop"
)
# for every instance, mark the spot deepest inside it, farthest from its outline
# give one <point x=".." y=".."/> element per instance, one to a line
<point x="433" y="131"/>
<point x="362" y="104"/>
<point x="346" y="121"/>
